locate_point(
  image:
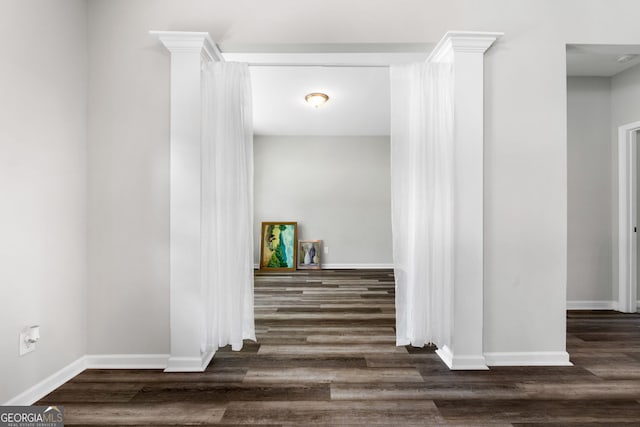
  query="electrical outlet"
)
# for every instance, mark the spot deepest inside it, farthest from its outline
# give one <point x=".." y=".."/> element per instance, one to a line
<point x="25" y="345"/>
<point x="28" y="339"/>
<point x="326" y="250"/>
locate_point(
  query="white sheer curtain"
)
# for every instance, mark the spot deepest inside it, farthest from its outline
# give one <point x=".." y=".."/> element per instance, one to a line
<point x="421" y="199"/>
<point x="227" y="206"/>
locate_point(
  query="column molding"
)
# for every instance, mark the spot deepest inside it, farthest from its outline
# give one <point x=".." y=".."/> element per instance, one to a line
<point x="188" y="42"/>
<point x="462" y="42"/>
<point x="465" y="50"/>
<point x="189" y="51"/>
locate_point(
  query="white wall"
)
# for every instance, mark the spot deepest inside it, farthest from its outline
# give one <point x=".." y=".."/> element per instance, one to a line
<point x="590" y="181"/>
<point x="43" y="131"/>
<point x="128" y="160"/>
<point x="625" y="109"/>
<point x="336" y="187"/>
<point x="625" y="96"/>
<point x="525" y="262"/>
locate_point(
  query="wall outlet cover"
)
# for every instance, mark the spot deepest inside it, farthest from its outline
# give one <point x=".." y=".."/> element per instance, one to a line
<point x="25" y="347"/>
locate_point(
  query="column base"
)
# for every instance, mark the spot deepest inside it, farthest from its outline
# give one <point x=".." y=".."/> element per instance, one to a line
<point x="189" y="364"/>
<point x="464" y="362"/>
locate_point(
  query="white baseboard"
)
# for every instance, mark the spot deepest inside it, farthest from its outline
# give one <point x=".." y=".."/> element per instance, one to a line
<point x="126" y="361"/>
<point x="534" y="358"/>
<point x="338" y="266"/>
<point x="90" y="361"/>
<point x="46" y="386"/>
<point x="592" y="305"/>
<point x="189" y="364"/>
<point x="462" y="362"/>
<point x="373" y="266"/>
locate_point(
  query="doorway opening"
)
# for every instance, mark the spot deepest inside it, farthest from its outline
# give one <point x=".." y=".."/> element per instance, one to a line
<point x="603" y="84"/>
<point x="189" y="52"/>
<point x="328" y="170"/>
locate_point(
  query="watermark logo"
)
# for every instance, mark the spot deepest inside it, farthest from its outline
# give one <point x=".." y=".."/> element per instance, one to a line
<point x="31" y="416"/>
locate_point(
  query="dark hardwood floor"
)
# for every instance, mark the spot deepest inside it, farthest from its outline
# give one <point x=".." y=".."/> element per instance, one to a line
<point x="326" y="356"/>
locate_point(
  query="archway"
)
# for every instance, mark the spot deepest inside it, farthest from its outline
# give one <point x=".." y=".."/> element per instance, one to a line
<point x="465" y="50"/>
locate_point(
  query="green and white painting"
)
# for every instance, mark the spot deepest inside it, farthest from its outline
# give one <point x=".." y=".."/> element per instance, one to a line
<point x="278" y="248"/>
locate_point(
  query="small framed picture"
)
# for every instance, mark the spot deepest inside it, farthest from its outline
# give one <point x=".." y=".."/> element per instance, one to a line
<point x="309" y="254"/>
<point x="278" y="250"/>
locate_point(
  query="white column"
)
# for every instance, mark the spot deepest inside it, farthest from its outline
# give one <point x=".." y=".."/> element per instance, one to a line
<point x="466" y="51"/>
<point x="188" y="51"/>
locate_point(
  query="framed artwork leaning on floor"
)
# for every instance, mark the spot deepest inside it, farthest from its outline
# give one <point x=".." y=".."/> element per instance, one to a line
<point x="309" y="254"/>
<point x="278" y="247"/>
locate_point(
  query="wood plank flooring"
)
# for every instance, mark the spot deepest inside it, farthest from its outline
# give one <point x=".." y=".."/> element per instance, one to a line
<point x="326" y="356"/>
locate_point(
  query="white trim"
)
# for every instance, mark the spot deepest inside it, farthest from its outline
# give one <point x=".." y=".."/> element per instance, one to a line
<point x="462" y="41"/>
<point x="592" y="305"/>
<point x="126" y="361"/>
<point x="373" y="266"/>
<point x="206" y="359"/>
<point x="325" y="59"/>
<point x="445" y="354"/>
<point x="456" y="362"/>
<point x="189" y="364"/>
<point x="186" y="41"/>
<point x="627" y="206"/>
<point x="533" y="358"/>
<point x="110" y="361"/>
<point x="46" y="386"/>
<point x="92" y="361"/>
<point x="341" y="266"/>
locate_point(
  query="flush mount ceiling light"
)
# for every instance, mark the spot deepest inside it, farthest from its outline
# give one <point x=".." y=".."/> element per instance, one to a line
<point x="316" y="99"/>
<point x="625" y="58"/>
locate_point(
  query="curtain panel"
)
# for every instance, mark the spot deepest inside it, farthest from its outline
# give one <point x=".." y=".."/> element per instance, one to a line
<point x="421" y="200"/>
<point x="227" y="206"/>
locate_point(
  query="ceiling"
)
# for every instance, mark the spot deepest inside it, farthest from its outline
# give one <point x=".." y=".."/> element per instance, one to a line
<point x="356" y="78"/>
<point x="600" y="60"/>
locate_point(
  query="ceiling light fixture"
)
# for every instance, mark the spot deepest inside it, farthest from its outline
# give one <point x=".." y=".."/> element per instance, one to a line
<point x="317" y="99"/>
<point x="625" y="58"/>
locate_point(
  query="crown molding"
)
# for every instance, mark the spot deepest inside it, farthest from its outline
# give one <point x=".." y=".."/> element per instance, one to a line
<point x="462" y="42"/>
<point x="190" y="42"/>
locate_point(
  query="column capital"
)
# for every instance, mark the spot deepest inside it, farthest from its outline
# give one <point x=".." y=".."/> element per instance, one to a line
<point x="189" y="42"/>
<point x="462" y="42"/>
